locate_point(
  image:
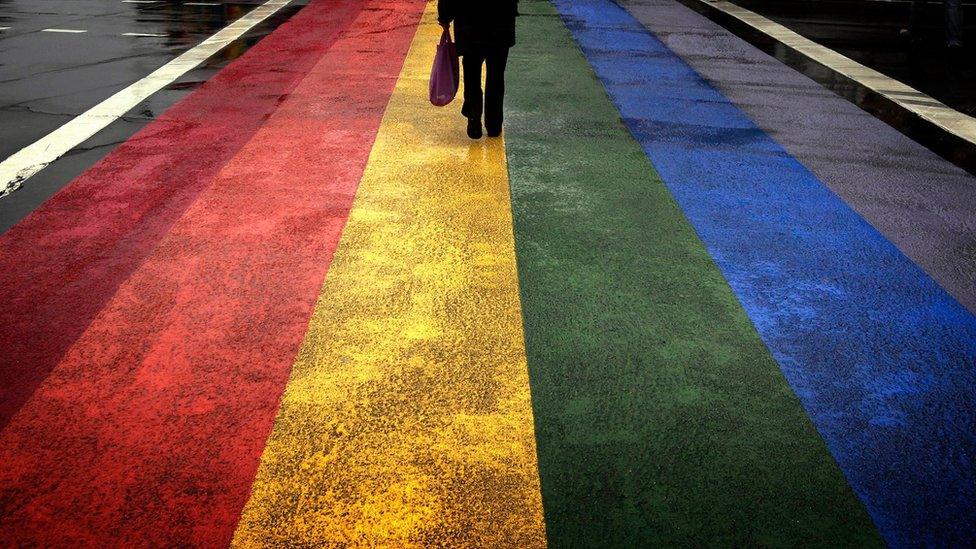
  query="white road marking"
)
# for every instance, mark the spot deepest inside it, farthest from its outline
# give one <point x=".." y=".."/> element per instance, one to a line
<point x="36" y="156"/>
<point x="147" y="34"/>
<point x="905" y="96"/>
<point x="66" y="31"/>
<point x="140" y="1"/>
<point x="4" y="28"/>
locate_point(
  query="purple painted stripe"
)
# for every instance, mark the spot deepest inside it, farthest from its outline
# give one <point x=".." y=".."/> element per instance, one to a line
<point x="881" y="357"/>
<point x="923" y="204"/>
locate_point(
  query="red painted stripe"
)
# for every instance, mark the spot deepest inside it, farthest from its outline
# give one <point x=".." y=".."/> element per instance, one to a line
<point x="150" y="430"/>
<point x="61" y="264"/>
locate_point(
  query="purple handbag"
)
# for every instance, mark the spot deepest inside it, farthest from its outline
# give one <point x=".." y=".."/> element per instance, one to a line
<point x="445" y="74"/>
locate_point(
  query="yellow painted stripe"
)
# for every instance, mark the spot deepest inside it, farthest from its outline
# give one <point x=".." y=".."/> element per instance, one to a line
<point x="407" y="420"/>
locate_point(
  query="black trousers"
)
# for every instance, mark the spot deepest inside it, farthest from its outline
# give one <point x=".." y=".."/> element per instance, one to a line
<point x="492" y="100"/>
<point x="953" y="20"/>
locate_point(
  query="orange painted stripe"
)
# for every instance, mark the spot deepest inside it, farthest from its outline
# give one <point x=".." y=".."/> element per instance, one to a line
<point x="61" y="264"/>
<point x="149" y="431"/>
<point x="407" y="421"/>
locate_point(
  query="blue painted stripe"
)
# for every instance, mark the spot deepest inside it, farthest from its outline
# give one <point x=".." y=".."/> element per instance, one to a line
<point x="883" y="359"/>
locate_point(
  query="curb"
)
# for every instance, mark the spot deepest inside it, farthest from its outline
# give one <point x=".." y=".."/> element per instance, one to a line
<point x="947" y="132"/>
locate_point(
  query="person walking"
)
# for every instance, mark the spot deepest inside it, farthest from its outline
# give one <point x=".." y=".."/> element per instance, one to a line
<point x="484" y="30"/>
<point x="953" y="22"/>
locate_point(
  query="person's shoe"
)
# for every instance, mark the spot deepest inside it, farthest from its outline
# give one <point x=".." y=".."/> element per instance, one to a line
<point x="954" y="53"/>
<point x="474" y="128"/>
<point x="494" y="131"/>
<point x="909" y="37"/>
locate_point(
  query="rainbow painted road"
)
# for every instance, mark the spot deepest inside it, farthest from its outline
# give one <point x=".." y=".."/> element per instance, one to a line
<point x="301" y="308"/>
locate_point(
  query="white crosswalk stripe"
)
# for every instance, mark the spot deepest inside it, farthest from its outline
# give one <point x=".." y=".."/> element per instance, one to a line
<point x="33" y="158"/>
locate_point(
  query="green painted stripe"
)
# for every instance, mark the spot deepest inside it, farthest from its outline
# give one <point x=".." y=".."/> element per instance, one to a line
<point x="660" y="416"/>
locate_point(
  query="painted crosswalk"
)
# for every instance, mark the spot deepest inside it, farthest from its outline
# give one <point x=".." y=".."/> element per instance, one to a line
<point x="23" y="164"/>
<point x="407" y="420"/>
<point x="319" y="315"/>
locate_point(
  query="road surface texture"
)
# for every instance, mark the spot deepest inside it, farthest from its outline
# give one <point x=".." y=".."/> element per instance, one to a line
<point x="689" y="298"/>
<point x="48" y="78"/>
<point x="868" y="31"/>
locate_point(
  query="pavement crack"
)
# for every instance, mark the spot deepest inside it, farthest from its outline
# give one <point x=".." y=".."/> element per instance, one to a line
<point x="35" y="110"/>
<point x="80" y="149"/>
<point x="18" y="180"/>
<point x="116" y="85"/>
<point x="76" y="67"/>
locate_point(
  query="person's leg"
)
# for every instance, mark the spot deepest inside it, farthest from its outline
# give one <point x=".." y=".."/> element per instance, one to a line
<point x="953" y="21"/>
<point x="496" y="61"/>
<point x="471" y="63"/>
<point x="916" y="19"/>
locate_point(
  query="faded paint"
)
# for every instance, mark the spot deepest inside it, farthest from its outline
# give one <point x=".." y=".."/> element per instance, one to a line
<point x="407" y="420"/>
<point x="150" y="430"/>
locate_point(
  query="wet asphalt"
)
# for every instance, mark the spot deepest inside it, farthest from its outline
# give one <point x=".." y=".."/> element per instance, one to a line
<point x="47" y="78"/>
<point x="867" y="31"/>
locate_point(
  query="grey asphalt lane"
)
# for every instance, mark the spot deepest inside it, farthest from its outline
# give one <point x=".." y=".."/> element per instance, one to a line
<point x="47" y="77"/>
<point x="923" y="204"/>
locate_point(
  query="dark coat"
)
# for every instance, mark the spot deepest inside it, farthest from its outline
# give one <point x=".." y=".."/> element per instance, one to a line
<point x="480" y="22"/>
